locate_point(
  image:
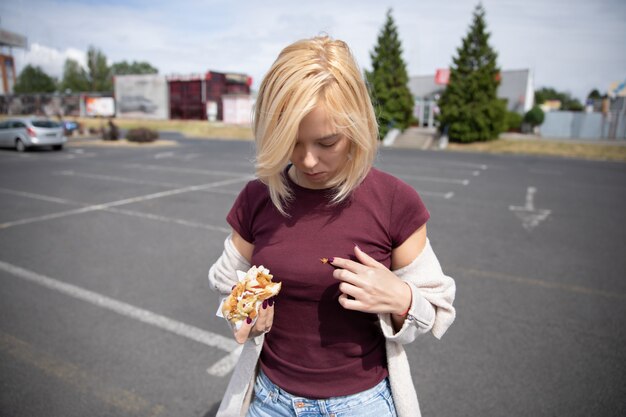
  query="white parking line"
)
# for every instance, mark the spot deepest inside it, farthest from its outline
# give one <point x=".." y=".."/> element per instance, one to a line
<point x="226" y="192"/>
<point x="49" y="216"/>
<point x="433" y="179"/>
<point x="40" y="197"/>
<point x="184" y="170"/>
<point x="105" y="206"/>
<point x="463" y="164"/>
<point x="169" y="220"/>
<point x="185" y="157"/>
<point x="163" y="155"/>
<point x="134" y="181"/>
<point x="121" y="211"/>
<point x="420" y="169"/>
<point x="447" y="195"/>
<point x="114" y="178"/>
<point x="226" y="364"/>
<point x="220" y="368"/>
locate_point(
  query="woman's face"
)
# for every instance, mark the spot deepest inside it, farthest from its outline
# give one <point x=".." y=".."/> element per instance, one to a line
<point x="320" y="151"/>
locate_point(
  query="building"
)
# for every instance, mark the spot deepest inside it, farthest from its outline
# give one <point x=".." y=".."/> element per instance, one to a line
<point x="9" y="40"/>
<point x="200" y="96"/>
<point x="192" y="96"/>
<point x="516" y="87"/>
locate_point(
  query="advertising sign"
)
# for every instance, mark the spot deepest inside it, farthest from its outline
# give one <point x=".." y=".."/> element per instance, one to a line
<point x="142" y="96"/>
<point x="99" y="106"/>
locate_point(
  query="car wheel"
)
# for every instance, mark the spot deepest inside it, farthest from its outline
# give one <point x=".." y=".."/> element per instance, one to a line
<point x="57" y="147"/>
<point x="19" y="145"/>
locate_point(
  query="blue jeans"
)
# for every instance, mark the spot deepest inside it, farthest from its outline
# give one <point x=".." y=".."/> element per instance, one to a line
<point x="271" y="401"/>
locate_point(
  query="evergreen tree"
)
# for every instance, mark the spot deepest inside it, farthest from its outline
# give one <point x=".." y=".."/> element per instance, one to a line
<point x="388" y="81"/>
<point x="34" y="80"/>
<point x="469" y="106"/>
<point x="99" y="72"/>
<point x="75" y="78"/>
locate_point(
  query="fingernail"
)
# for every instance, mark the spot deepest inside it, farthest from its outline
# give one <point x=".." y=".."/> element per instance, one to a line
<point x="331" y="260"/>
<point x="270" y="302"/>
<point x="264" y="304"/>
<point x="357" y="246"/>
<point x="248" y="320"/>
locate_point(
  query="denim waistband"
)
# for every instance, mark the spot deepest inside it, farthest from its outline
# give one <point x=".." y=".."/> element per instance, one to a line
<point x="347" y="401"/>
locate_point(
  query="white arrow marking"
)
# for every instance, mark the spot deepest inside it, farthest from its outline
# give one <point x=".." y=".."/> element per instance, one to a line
<point x="530" y="216"/>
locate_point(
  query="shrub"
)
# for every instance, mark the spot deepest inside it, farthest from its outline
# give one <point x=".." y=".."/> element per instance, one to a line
<point x="513" y="121"/>
<point x="534" y="116"/>
<point x="141" y="135"/>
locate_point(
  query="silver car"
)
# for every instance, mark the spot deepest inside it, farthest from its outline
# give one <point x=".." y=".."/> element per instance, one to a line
<point x="30" y="132"/>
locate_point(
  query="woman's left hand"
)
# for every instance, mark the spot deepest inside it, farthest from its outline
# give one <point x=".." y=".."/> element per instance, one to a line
<point x="372" y="286"/>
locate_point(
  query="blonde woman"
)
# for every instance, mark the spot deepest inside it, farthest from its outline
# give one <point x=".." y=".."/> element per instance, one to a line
<point x="331" y="342"/>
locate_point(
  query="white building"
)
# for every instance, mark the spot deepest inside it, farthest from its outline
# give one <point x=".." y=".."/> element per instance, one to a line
<point x="516" y="86"/>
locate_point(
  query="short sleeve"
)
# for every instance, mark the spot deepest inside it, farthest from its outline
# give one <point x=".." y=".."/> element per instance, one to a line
<point x="408" y="213"/>
<point x="239" y="217"/>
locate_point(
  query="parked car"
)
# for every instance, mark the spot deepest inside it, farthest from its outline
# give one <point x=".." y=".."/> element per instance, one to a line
<point x="30" y="132"/>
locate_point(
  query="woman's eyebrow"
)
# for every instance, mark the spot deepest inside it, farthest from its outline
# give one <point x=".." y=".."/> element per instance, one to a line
<point x="331" y="136"/>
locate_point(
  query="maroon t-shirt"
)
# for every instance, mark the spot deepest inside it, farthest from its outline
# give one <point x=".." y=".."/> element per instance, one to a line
<point x="316" y="348"/>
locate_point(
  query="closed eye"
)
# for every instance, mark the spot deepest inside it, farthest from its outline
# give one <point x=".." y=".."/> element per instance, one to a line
<point x="329" y="141"/>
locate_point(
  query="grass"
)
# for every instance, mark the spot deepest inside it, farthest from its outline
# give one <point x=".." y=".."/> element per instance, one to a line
<point x="548" y="147"/>
<point x="189" y="128"/>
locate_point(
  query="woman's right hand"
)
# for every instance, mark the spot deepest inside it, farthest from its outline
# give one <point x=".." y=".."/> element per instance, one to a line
<point x="262" y="325"/>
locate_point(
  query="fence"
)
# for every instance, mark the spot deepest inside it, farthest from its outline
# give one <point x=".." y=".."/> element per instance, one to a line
<point x="610" y="124"/>
<point x="50" y="105"/>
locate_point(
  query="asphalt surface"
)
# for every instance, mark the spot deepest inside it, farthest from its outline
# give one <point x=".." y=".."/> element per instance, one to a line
<point x="106" y="310"/>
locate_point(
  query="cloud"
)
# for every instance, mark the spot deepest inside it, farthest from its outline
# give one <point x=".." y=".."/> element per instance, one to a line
<point x="572" y="45"/>
<point x="51" y="60"/>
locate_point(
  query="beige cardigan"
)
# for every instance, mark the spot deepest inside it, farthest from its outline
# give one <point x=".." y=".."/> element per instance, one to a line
<point x="431" y="310"/>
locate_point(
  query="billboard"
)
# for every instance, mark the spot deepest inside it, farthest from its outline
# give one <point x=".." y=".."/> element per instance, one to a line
<point x="99" y="106"/>
<point x="142" y="96"/>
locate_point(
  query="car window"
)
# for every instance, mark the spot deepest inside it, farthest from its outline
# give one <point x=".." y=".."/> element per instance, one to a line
<point x="4" y="125"/>
<point x="17" y="125"/>
<point x="45" y="123"/>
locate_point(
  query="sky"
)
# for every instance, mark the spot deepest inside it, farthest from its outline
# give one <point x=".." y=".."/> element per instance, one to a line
<point x="571" y="45"/>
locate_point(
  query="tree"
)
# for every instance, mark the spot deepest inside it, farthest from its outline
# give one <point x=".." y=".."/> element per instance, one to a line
<point x="99" y="73"/>
<point x="469" y="106"/>
<point x="388" y="81"/>
<point x="594" y="94"/>
<point x="534" y="116"/>
<point x="34" y="80"/>
<point x="136" y="67"/>
<point x="75" y="78"/>
<point x="567" y="102"/>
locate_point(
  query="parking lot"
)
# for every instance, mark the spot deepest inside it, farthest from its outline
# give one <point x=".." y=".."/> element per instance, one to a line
<point x="106" y="309"/>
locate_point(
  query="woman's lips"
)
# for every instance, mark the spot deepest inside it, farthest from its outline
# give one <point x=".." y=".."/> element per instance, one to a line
<point x="314" y="175"/>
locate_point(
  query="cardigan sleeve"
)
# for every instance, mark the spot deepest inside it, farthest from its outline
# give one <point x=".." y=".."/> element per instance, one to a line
<point x="433" y="297"/>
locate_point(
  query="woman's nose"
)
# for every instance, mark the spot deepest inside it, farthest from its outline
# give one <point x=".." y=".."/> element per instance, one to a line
<point x="309" y="160"/>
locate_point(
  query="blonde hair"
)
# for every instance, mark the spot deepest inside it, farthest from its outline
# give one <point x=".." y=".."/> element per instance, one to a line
<point x="308" y="73"/>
